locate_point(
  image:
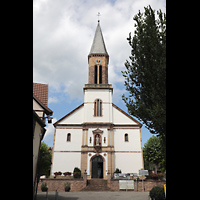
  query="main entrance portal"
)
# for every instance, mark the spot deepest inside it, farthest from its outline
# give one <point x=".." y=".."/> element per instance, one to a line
<point x="97" y="167"/>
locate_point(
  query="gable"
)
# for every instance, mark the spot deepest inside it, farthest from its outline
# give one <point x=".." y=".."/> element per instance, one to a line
<point x="120" y="117"/>
<point x="74" y="117"/>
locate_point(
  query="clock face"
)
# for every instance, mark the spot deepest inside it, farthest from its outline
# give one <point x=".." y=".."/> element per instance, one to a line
<point x="98" y="61"/>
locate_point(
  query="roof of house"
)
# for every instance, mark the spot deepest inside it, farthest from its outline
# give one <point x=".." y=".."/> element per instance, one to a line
<point x="98" y="45"/>
<point x="47" y="110"/>
<point x="41" y="92"/>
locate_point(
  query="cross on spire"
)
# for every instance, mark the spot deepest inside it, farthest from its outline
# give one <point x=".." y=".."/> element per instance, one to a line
<point x="98" y="16"/>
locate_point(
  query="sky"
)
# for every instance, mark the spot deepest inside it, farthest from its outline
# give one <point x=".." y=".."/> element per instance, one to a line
<point x="63" y="32"/>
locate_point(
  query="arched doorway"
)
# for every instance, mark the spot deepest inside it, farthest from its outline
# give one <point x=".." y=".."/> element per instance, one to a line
<point x="97" y="167"/>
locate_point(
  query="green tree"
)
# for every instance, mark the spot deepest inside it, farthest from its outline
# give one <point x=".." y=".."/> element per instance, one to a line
<point x="152" y="152"/>
<point x="45" y="160"/>
<point x="145" y="74"/>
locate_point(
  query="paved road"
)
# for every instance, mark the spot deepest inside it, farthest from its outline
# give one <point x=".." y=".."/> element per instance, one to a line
<point x="94" y="196"/>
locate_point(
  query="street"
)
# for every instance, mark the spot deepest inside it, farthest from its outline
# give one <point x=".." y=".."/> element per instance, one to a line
<point x="94" y="196"/>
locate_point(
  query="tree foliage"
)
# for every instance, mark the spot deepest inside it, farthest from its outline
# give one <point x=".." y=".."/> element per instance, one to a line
<point x="152" y="152"/>
<point x="45" y="160"/>
<point x="145" y="74"/>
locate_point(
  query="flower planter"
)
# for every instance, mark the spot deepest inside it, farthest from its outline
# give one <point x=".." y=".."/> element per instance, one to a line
<point x="44" y="187"/>
<point x="67" y="186"/>
<point x="67" y="189"/>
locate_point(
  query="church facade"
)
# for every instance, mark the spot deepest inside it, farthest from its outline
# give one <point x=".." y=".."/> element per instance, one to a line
<point x="97" y="136"/>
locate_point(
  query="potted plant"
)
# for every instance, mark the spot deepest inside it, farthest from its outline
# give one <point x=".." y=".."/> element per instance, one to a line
<point x="67" y="173"/>
<point x="44" y="187"/>
<point x="57" y="173"/>
<point x="67" y="186"/>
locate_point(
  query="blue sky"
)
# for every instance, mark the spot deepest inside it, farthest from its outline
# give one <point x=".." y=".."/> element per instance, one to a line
<point x="63" y="31"/>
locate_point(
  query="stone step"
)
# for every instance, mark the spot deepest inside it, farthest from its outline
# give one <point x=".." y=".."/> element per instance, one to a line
<point x="97" y="185"/>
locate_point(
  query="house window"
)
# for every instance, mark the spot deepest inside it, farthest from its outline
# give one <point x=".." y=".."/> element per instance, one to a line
<point x="126" y="137"/>
<point x="97" y="108"/>
<point x="90" y="139"/>
<point x="68" y="137"/>
<point x="104" y="139"/>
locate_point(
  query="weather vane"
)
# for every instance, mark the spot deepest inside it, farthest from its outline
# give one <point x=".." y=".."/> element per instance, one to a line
<point x="98" y="16"/>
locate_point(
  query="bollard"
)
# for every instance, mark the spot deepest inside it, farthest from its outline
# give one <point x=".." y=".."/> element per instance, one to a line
<point x="47" y="194"/>
<point x="56" y="197"/>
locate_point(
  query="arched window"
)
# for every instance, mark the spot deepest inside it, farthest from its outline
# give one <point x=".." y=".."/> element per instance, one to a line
<point x="98" y="108"/>
<point x="126" y="137"/>
<point x="69" y="137"/>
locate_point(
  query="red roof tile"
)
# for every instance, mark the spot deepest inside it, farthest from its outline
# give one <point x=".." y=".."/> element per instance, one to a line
<point x="41" y="92"/>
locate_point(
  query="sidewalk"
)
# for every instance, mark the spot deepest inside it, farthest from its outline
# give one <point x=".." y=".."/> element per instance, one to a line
<point x="94" y="196"/>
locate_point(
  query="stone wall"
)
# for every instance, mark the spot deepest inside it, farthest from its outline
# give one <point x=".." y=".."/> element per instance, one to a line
<point x="78" y="184"/>
<point x="148" y="185"/>
<point x="58" y="184"/>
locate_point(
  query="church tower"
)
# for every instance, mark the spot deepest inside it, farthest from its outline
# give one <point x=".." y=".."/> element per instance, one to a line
<point x="98" y="60"/>
<point x="98" y="92"/>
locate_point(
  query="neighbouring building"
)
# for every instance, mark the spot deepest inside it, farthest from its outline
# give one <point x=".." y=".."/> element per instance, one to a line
<point x="40" y="113"/>
<point x="97" y="136"/>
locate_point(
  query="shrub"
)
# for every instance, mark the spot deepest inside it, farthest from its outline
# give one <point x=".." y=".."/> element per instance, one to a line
<point x="118" y="170"/>
<point x="76" y="169"/>
<point x="154" y="176"/>
<point x="157" y="193"/>
<point x="77" y="172"/>
<point x="44" y="187"/>
<point x="160" y="176"/>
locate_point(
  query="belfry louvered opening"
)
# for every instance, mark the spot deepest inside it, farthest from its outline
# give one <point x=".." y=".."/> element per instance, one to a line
<point x="98" y="74"/>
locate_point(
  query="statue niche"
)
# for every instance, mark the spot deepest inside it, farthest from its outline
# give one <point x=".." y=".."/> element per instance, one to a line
<point x="97" y="140"/>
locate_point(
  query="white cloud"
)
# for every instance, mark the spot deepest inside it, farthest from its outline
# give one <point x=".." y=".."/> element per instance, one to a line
<point x="52" y="100"/>
<point x="63" y="32"/>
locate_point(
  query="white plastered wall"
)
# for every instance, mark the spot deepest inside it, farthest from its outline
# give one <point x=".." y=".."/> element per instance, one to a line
<point x="133" y="143"/>
<point x="128" y="156"/>
<point x="128" y="162"/>
<point x="66" y="161"/>
<point x="90" y="96"/>
<point x="75" y="118"/>
<point x="67" y="154"/>
<point x="61" y="143"/>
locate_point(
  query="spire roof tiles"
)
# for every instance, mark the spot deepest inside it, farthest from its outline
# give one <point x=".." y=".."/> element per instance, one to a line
<point x="98" y="45"/>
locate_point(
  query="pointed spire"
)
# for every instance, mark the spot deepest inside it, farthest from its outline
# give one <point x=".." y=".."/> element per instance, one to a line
<point x="98" y="45"/>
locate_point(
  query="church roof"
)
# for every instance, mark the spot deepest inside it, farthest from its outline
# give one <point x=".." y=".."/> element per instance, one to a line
<point x="98" y="45"/>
